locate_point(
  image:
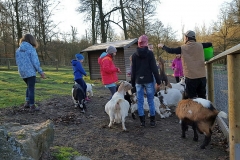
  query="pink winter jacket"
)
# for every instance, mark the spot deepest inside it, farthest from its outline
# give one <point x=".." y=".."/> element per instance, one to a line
<point x="177" y="67"/>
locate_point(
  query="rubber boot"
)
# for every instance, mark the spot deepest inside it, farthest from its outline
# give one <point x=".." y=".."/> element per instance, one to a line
<point x="142" y="120"/>
<point x="152" y="121"/>
<point x="34" y="108"/>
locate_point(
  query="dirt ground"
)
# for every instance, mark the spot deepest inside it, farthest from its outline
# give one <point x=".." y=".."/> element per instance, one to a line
<point x="89" y="134"/>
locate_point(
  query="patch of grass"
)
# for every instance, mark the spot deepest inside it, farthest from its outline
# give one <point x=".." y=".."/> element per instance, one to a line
<point x="21" y="136"/>
<point x="13" y="88"/>
<point x="64" y="153"/>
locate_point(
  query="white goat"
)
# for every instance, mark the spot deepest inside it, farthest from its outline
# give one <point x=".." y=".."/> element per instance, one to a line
<point x="89" y="89"/>
<point x="161" y="111"/>
<point x="117" y="108"/>
<point x="171" y="98"/>
<point x="180" y="85"/>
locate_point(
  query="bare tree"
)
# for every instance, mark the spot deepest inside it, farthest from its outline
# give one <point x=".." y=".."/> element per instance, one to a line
<point x="224" y="30"/>
<point x="139" y="15"/>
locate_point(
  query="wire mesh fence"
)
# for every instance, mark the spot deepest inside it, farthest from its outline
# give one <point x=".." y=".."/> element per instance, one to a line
<point x="221" y="88"/>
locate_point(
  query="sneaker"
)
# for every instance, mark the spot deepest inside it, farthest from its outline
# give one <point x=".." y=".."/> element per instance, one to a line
<point x="87" y="99"/>
<point x="33" y="108"/>
<point x="26" y="105"/>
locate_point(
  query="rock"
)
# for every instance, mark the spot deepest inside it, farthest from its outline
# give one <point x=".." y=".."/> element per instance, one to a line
<point x="81" y="158"/>
<point x="25" y="141"/>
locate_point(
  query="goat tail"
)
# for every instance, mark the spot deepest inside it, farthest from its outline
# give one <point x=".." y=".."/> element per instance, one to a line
<point x="222" y="114"/>
<point x="117" y="105"/>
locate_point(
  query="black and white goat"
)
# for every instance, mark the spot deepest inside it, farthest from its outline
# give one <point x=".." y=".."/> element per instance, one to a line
<point x="200" y="114"/>
<point x="159" y="107"/>
<point x="78" y="97"/>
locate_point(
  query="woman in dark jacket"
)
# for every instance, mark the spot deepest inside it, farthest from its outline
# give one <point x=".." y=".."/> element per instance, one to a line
<point x="144" y="70"/>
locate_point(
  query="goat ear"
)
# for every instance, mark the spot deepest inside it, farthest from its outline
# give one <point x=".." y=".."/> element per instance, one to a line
<point x="118" y="82"/>
<point x="159" y="94"/>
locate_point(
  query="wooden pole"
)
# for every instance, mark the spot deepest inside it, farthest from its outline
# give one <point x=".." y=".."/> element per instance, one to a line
<point x="56" y="64"/>
<point x="210" y="82"/>
<point x="233" y="65"/>
<point x="8" y="61"/>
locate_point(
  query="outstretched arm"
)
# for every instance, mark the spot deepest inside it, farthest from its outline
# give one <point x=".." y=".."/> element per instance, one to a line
<point x="170" y="50"/>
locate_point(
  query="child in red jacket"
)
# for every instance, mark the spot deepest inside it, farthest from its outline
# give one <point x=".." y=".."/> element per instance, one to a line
<point x="108" y="69"/>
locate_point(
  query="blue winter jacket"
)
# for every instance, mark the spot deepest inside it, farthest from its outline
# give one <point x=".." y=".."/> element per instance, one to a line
<point x="27" y="60"/>
<point x="78" y="70"/>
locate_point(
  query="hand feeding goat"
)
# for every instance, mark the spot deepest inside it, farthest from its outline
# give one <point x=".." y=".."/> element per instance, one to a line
<point x="117" y="108"/>
<point x="159" y="108"/>
<point x="180" y="85"/>
<point x="89" y="89"/>
<point x="78" y="97"/>
<point x="200" y="114"/>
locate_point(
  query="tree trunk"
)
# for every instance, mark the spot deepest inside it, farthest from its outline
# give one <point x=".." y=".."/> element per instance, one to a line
<point x="123" y="20"/>
<point x="19" y="29"/>
<point x="93" y="21"/>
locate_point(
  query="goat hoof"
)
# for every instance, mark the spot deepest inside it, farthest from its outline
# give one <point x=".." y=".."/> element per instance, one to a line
<point x="183" y="136"/>
<point x="202" y="147"/>
<point x="133" y="116"/>
<point x="82" y="111"/>
<point x="195" y="139"/>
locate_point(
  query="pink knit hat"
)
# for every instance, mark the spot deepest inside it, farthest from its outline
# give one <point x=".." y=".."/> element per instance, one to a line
<point x="142" y="41"/>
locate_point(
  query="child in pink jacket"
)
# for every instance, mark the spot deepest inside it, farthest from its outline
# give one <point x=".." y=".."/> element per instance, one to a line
<point x="177" y="67"/>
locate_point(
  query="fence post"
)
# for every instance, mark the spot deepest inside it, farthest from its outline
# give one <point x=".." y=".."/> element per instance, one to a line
<point x="233" y="66"/>
<point x="210" y="82"/>
<point x="56" y="64"/>
<point x="8" y="62"/>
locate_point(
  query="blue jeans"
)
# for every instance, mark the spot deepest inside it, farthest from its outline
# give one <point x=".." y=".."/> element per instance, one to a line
<point x="150" y="96"/>
<point x="30" y="94"/>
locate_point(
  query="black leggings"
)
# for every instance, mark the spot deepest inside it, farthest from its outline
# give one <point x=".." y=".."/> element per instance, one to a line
<point x="82" y="83"/>
<point x="177" y="79"/>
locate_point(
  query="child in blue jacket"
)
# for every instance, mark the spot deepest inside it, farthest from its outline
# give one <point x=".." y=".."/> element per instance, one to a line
<point x="79" y="72"/>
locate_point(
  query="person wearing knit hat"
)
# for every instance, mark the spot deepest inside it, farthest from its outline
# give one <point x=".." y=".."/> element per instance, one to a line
<point x="79" y="56"/>
<point x="79" y="72"/>
<point x="142" y="41"/>
<point x="192" y="57"/>
<point x="144" y="71"/>
<point x="108" y="69"/>
<point x="111" y="50"/>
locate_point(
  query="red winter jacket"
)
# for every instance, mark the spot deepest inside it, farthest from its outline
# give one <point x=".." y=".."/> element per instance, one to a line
<point x="107" y="69"/>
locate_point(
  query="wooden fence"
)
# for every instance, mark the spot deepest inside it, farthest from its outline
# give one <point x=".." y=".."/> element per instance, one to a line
<point x="233" y="75"/>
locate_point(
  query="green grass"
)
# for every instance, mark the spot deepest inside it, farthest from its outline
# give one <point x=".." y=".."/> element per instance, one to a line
<point x="64" y="153"/>
<point x="13" y="88"/>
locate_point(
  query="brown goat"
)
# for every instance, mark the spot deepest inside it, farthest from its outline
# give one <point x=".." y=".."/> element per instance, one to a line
<point x="163" y="75"/>
<point x="200" y="114"/>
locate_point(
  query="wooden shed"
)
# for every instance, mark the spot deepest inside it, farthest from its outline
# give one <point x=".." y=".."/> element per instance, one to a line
<point x="125" y="49"/>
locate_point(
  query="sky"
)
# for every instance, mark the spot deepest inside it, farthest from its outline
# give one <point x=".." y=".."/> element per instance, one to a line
<point x="174" y="13"/>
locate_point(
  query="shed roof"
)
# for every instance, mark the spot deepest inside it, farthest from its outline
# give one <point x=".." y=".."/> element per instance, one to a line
<point x="117" y="44"/>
